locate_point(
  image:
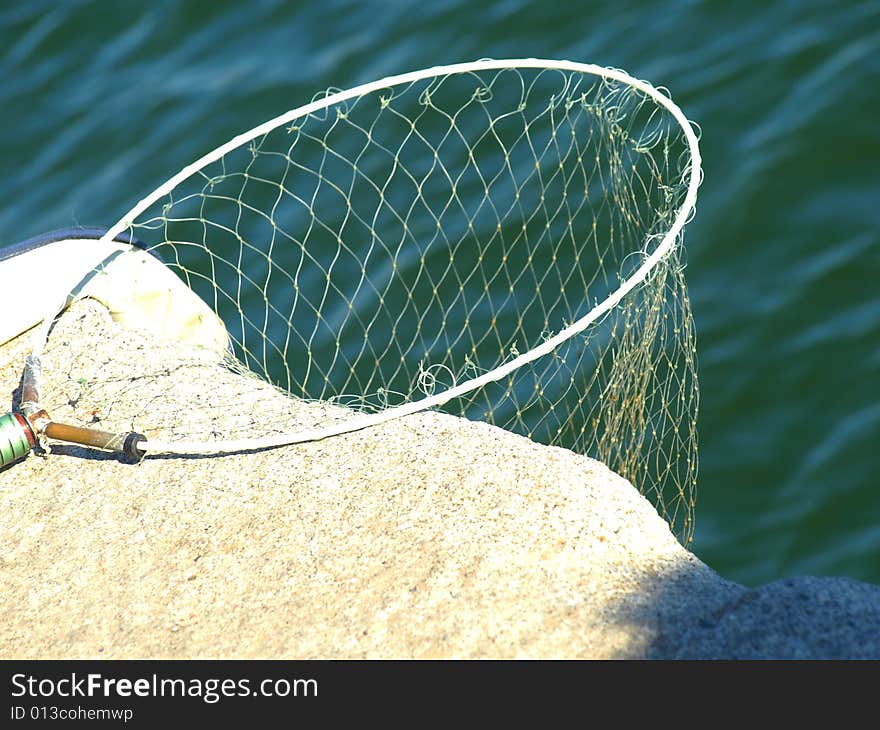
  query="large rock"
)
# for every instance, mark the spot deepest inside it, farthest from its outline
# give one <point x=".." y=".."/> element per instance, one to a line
<point x="430" y="536"/>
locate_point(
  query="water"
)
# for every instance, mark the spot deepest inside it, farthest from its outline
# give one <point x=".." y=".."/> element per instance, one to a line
<point x="103" y="101"/>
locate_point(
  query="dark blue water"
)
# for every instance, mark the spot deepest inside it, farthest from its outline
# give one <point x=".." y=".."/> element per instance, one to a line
<point x="101" y="102"/>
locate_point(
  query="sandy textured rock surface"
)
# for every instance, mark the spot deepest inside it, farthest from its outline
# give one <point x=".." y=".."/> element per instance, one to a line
<point x="430" y="536"/>
<point x="795" y="618"/>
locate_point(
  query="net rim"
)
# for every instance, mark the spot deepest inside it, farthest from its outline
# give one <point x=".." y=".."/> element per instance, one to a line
<point x="362" y="421"/>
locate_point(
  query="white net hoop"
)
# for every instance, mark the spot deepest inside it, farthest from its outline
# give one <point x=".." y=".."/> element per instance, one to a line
<point x="497" y="239"/>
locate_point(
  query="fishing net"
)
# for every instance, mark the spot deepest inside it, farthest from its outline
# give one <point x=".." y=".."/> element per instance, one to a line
<point x="500" y="241"/>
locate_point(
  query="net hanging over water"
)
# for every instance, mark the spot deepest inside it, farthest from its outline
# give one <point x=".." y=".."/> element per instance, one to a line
<point x="500" y="240"/>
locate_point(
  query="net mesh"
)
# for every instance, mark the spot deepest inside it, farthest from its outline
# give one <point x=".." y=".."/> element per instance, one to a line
<point x="389" y="246"/>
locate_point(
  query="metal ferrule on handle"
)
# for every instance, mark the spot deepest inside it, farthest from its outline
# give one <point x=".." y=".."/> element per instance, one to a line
<point x="16" y="438"/>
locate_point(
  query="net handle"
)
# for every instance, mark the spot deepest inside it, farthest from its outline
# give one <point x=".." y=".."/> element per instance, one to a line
<point x="355" y="424"/>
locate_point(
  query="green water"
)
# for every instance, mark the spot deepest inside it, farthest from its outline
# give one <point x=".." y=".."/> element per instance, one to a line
<point x="103" y="101"/>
